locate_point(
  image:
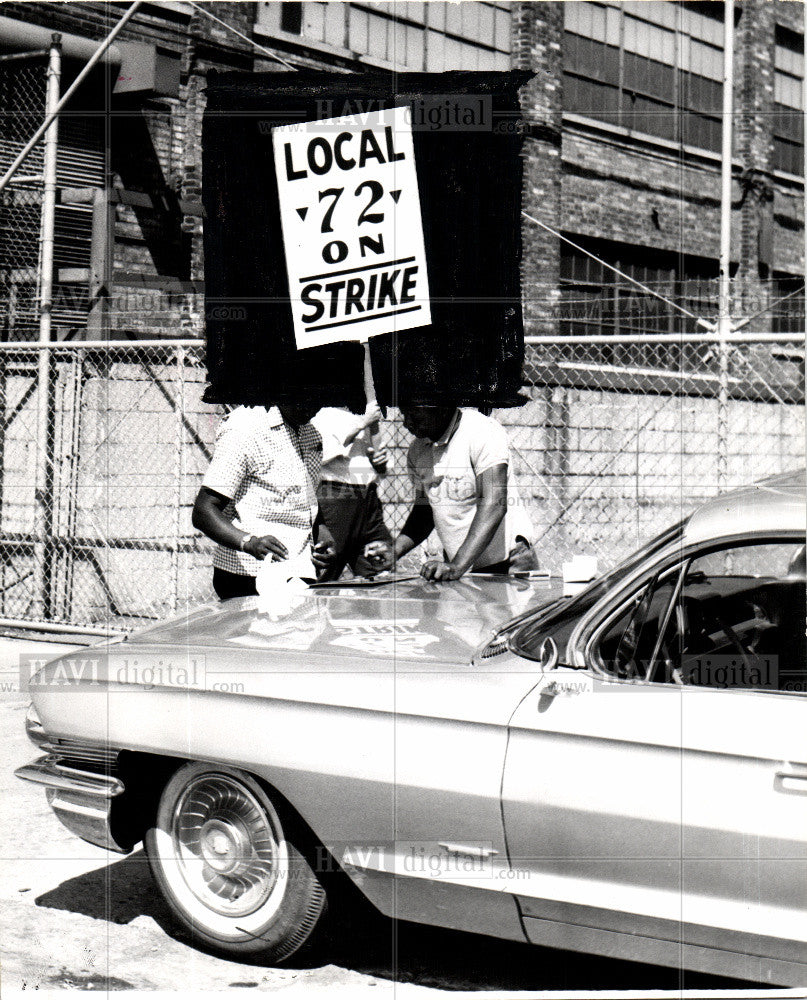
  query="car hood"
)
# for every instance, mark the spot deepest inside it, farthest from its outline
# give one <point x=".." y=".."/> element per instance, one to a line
<point x="404" y="648"/>
<point x="410" y="620"/>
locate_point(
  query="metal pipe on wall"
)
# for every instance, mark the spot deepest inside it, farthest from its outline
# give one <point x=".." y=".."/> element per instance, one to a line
<point x="724" y="293"/>
<point x="50" y="116"/>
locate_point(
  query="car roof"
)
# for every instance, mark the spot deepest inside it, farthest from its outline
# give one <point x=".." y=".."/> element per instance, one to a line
<point x="775" y="504"/>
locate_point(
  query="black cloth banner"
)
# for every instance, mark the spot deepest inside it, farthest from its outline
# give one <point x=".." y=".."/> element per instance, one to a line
<point x="467" y="131"/>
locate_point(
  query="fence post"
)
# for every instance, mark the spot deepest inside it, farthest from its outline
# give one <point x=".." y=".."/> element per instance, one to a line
<point x="178" y="478"/>
<point x="556" y="462"/>
<point x="44" y="494"/>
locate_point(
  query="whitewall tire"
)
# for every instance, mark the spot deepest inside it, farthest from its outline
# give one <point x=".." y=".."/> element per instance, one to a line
<point x="227" y="867"/>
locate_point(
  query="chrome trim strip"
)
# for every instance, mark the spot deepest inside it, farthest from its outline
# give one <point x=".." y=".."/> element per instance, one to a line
<point x="52" y="773"/>
<point x="470" y="850"/>
<point x="79" y="752"/>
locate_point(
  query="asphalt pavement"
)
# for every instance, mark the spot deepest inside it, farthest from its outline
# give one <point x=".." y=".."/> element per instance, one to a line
<point x="76" y="917"/>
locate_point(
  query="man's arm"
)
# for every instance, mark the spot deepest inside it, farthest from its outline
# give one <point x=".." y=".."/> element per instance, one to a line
<point x="491" y="486"/>
<point x="208" y="517"/>
<point x="418" y="527"/>
<point x="323" y="551"/>
<point x="371" y="416"/>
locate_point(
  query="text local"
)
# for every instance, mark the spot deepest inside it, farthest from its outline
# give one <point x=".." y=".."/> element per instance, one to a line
<point x="344" y="151"/>
<point x="371" y="293"/>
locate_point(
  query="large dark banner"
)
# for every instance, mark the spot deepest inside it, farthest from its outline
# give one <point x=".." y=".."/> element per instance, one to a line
<point x="467" y="141"/>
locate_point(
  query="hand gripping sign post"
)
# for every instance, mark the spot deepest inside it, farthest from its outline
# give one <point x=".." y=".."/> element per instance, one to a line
<point x="352" y="227"/>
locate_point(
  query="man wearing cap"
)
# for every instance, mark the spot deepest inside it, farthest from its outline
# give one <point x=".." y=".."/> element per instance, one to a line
<point x="258" y="497"/>
<point x="458" y="464"/>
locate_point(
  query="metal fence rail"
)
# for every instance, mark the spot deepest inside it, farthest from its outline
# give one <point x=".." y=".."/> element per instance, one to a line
<point x="619" y="437"/>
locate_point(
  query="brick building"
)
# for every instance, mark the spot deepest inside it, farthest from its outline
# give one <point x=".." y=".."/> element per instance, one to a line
<point x="622" y="153"/>
<point x="622" y="156"/>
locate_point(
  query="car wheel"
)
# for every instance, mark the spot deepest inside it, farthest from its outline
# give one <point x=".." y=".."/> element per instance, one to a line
<point x="229" y="871"/>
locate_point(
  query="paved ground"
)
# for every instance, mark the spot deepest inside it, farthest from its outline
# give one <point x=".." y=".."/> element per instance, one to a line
<point x="76" y="917"/>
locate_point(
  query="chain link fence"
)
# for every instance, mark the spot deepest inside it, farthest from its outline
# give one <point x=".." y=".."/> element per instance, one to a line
<point x="622" y="438"/>
<point x="95" y="517"/>
<point x="618" y="439"/>
<point x="22" y="108"/>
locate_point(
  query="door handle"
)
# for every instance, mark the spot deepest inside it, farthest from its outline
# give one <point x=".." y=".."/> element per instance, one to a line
<point x="791" y="781"/>
<point x="469" y="850"/>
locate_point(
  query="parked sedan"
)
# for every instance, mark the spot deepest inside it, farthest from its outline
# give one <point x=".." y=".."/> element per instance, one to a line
<point x="621" y="772"/>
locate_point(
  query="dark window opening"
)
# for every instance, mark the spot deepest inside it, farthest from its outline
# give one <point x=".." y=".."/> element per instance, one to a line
<point x="291" y="17"/>
<point x="787" y="312"/>
<point x="595" y="301"/>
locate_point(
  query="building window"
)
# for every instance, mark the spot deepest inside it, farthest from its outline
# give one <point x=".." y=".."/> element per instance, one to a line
<point x="597" y="301"/>
<point x="655" y="68"/>
<point x="787" y="315"/>
<point x="291" y="17"/>
<point x="429" y="37"/>
<point x="788" y="120"/>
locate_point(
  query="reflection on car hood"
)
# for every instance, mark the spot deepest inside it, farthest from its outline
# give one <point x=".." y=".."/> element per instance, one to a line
<point x="411" y="620"/>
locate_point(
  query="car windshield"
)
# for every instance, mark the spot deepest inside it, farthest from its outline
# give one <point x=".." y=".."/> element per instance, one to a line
<point x="560" y="618"/>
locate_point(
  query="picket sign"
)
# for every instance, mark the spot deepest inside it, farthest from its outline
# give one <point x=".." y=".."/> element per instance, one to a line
<point x="352" y="228"/>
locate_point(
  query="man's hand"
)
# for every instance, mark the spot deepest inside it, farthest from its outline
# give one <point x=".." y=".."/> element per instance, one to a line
<point x="378" y="459"/>
<point x="267" y="545"/>
<point x="372" y="415"/>
<point x="323" y="553"/>
<point x="436" y="569"/>
<point x="376" y="558"/>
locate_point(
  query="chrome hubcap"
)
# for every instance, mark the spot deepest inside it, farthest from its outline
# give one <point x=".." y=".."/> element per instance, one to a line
<point x="225" y="844"/>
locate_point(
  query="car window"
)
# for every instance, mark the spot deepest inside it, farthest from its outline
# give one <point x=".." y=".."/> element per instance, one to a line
<point x="627" y="646"/>
<point x="736" y="619"/>
<point x="560" y="620"/>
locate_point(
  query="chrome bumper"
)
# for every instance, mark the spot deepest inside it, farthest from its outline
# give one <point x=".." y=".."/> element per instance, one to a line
<point x="81" y="799"/>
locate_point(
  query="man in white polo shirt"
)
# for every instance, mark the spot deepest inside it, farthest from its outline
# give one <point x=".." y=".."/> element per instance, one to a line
<point x="458" y="463"/>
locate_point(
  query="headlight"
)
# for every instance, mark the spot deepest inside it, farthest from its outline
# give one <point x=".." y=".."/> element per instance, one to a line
<point x="33" y="727"/>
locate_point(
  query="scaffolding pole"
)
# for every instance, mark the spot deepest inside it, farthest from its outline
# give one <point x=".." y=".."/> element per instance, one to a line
<point x="44" y="445"/>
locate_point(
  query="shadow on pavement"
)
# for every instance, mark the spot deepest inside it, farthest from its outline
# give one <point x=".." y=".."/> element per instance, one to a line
<point x="118" y="893"/>
<point x="366" y="942"/>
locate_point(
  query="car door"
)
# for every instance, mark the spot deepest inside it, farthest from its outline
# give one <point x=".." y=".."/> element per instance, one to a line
<point x="673" y="812"/>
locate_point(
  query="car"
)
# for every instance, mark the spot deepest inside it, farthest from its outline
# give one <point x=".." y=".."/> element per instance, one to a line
<point x="622" y="771"/>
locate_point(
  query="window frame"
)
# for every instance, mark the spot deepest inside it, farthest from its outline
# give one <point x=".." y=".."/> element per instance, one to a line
<point x="788" y="40"/>
<point x="601" y="618"/>
<point x="684" y="113"/>
<point x="791" y="317"/>
<point x="612" y="288"/>
<point x="392" y="16"/>
<point x="648" y="588"/>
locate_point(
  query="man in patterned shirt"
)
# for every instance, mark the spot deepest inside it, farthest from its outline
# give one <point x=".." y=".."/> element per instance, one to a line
<point x="258" y="498"/>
